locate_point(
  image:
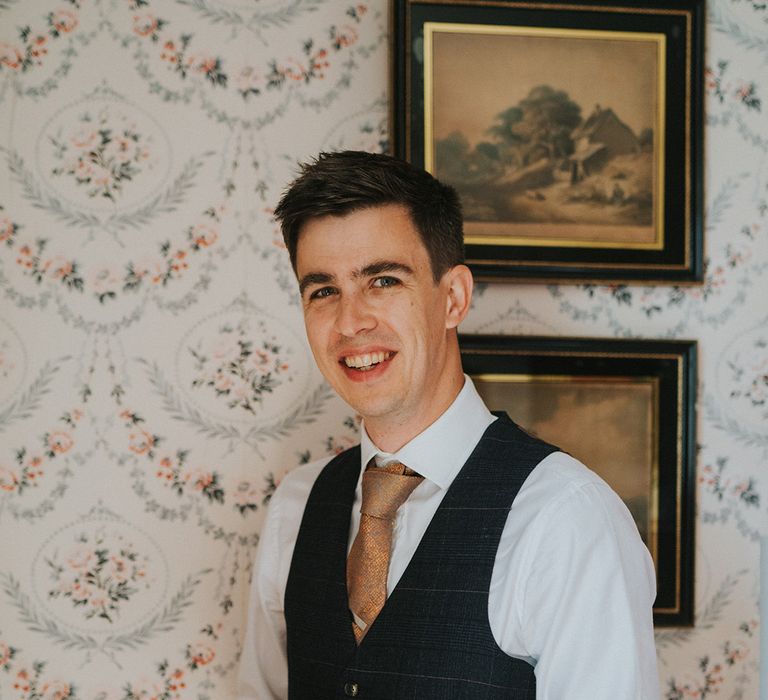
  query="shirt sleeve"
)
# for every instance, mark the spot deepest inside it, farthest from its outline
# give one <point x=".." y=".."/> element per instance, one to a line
<point x="586" y="606"/>
<point x="263" y="671"/>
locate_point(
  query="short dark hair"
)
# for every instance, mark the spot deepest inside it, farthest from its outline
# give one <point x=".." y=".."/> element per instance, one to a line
<point x="341" y="182"/>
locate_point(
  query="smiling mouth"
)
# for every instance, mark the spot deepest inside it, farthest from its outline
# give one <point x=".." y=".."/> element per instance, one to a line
<point x="366" y="361"/>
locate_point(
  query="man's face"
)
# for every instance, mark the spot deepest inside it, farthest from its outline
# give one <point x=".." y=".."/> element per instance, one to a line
<point x="378" y="325"/>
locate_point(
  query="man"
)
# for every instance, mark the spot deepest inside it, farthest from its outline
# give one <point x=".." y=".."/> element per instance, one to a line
<point x="502" y="567"/>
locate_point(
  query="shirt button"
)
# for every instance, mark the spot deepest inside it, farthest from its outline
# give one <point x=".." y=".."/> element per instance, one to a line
<point x="351" y="689"/>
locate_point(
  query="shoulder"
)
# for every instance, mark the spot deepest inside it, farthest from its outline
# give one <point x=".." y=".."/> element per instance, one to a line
<point x="565" y="517"/>
<point x="563" y="497"/>
<point x="560" y="477"/>
<point x="298" y="482"/>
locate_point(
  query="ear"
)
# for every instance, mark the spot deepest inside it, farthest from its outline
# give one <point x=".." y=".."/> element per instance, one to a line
<point x="459" y="283"/>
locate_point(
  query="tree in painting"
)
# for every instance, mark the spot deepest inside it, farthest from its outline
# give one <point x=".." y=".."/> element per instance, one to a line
<point x="539" y="126"/>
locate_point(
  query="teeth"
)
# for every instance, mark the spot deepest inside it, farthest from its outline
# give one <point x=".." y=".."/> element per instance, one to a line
<point x="367" y="360"/>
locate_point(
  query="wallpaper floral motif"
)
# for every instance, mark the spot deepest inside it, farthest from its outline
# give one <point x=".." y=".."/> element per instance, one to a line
<point x="155" y="383"/>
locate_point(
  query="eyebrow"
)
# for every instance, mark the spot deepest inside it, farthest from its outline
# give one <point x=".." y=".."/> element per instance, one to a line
<point x="314" y="278"/>
<point x="376" y="268"/>
<point x="370" y="270"/>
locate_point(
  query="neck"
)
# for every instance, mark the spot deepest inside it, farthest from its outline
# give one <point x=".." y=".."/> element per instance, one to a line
<point x="390" y="433"/>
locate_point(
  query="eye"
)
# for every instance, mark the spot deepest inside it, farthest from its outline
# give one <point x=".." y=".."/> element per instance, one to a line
<point x="322" y="293"/>
<point x="385" y="282"/>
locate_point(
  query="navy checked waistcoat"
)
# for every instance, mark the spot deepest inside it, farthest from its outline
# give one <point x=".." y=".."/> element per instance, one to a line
<point x="432" y="640"/>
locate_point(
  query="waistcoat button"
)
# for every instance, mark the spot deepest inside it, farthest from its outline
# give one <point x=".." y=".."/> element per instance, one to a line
<point x="351" y="689"/>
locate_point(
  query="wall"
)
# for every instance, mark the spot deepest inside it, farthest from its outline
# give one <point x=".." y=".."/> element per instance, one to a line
<point x="154" y="379"/>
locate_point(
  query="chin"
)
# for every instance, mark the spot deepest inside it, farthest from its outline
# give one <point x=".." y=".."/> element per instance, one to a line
<point x="369" y="409"/>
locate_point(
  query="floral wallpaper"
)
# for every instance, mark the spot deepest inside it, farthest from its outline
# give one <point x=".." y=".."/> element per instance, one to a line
<point x="155" y="383"/>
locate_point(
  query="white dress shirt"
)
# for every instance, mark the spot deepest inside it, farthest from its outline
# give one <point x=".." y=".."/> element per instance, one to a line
<point x="572" y="587"/>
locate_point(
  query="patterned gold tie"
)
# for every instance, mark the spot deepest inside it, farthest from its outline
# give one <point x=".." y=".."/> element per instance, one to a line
<point x="385" y="489"/>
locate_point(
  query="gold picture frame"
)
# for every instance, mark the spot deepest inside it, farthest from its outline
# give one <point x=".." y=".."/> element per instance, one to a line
<point x="626" y="409"/>
<point x="564" y="129"/>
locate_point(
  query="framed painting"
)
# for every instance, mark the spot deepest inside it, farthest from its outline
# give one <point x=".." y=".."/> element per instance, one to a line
<point x="626" y="409"/>
<point x="572" y="132"/>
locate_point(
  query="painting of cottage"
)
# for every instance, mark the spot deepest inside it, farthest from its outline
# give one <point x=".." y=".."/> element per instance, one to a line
<point x="548" y="137"/>
<point x="601" y="138"/>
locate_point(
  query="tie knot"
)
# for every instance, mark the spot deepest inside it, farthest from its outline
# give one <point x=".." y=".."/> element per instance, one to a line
<point x="386" y="488"/>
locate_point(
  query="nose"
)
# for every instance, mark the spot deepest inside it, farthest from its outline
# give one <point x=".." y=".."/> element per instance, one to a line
<point x="354" y="315"/>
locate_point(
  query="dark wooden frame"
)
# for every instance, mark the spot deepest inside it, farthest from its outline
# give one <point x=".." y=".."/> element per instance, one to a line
<point x="672" y="366"/>
<point x="680" y="259"/>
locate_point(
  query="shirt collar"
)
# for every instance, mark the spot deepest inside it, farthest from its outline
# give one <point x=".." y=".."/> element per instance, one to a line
<point x="440" y="451"/>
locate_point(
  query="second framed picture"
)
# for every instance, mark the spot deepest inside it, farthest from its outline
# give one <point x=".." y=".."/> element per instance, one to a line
<point x="571" y="131"/>
<point x="626" y="409"/>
